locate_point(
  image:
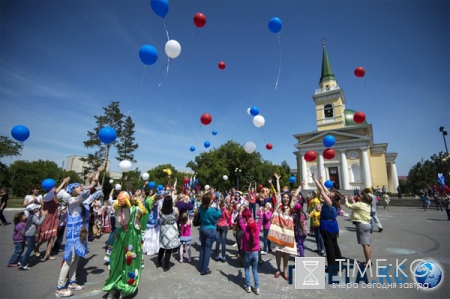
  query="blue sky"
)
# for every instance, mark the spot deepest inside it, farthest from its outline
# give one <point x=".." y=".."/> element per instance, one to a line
<point x="62" y="61"/>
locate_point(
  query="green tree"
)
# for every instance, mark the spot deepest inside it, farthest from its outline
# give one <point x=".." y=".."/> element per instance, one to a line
<point x="424" y="173"/>
<point x="126" y="146"/>
<point x="8" y="148"/>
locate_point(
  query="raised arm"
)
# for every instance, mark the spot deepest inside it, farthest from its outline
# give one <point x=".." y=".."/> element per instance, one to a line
<point x="300" y="187"/>
<point x="321" y="190"/>
<point x="277" y="177"/>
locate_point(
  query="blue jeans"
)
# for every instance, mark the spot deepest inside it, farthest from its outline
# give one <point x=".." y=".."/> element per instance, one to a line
<point x="319" y="239"/>
<point x="221" y="239"/>
<point x="31" y="244"/>
<point x="207" y="236"/>
<point x="18" y="250"/>
<point x="251" y="259"/>
<point x="266" y="241"/>
<point x="252" y="207"/>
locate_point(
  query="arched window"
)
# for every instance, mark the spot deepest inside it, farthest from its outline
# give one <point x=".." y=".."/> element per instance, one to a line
<point x="328" y="110"/>
<point x="355" y="173"/>
<point x="311" y="170"/>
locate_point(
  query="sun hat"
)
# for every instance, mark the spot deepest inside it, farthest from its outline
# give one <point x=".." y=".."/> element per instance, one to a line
<point x="72" y="186"/>
<point x="32" y="207"/>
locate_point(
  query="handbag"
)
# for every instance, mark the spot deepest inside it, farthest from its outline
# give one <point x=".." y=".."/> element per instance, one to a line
<point x="196" y="221"/>
<point x="282" y="230"/>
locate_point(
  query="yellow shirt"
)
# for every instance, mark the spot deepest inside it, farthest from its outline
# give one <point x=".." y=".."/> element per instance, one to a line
<point x="360" y="211"/>
<point x="315" y="216"/>
<point x="312" y="203"/>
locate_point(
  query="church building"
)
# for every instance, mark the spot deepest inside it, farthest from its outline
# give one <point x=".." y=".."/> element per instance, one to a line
<point x="358" y="161"/>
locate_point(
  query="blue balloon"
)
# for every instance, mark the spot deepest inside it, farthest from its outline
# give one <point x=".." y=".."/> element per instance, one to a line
<point x="48" y="184"/>
<point x="275" y="25"/>
<point x="329" y="141"/>
<point x="107" y="135"/>
<point x="192" y="148"/>
<point x="214" y="132"/>
<point x="151" y="185"/>
<point x="207" y="144"/>
<point x="292" y="179"/>
<point x="160" y="7"/>
<point x="329" y="184"/>
<point x="20" y="133"/>
<point x="254" y="111"/>
<point x="148" y="54"/>
<point x="160" y="187"/>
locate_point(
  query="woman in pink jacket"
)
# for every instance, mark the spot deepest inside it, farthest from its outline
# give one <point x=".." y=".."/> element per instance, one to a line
<point x="250" y="246"/>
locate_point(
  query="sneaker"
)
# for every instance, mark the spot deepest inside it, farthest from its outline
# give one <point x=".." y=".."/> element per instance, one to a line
<point x="63" y="293"/>
<point x="24" y="267"/>
<point x="256" y="291"/>
<point x="218" y="258"/>
<point x="234" y="245"/>
<point x="112" y="294"/>
<point x="248" y="289"/>
<point x="263" y="252"/>
<point x="12" y="265"/>
<point x="75" y="287"/>
<point x="380" y="230"/>
<point x="19" y="264"/>
<point x="224" y="259"/>
<point x="322" y="253"/>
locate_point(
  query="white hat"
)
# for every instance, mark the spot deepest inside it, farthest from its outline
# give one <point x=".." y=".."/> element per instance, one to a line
<point x="32" y="207"/>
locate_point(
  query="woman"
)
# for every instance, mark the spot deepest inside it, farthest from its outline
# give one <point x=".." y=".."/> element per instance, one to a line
<point x="49" y="229"/>
<point x="169" y="237"/>
<point x="282" y="230"/>
<point x="208" y="217"/>
<point x="222" y="230"/>
<point x="126" y="256"/>
<point x="32" y="198"/>
<point x="329" y="228"/>
<point x="151" y="236"/>
<point x="360" y="217"/>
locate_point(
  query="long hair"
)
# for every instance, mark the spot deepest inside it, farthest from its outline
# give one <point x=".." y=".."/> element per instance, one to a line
<point x="17" y="217"/>
<point x="366" y="198"/>
<point x="167" y="207"/>
<point x="336" y="201"/>
<point x="206" y="200"/>
<point x="83" y="231"/>
<point x="32" y="188"/>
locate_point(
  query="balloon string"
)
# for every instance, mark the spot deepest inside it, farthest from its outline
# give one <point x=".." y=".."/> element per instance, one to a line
<point x="167" y="71"/>
<point x="279" y="67"/>
<point x="167" y="32"/>
<point x="263" y="134"/>
<point x="365" y="82"/>
<point x="14" y="173"/>
<point x="140" y="90"/>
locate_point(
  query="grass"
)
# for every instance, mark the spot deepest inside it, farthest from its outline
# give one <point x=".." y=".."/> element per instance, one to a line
<point x="15" y="203"/>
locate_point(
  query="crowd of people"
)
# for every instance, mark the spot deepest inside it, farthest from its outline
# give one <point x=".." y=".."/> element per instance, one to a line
<point x="143" y="223"/>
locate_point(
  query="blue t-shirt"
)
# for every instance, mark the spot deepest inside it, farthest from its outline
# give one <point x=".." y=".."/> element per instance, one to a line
<point x="209" y="217"/>
<point x="328" y="220"/>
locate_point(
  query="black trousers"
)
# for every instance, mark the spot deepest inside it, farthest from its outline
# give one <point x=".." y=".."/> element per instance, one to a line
<point x="166" y="253"/>
<point x="331" y="248"/>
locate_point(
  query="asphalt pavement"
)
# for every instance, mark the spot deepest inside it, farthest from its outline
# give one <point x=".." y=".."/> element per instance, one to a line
<point x="409" y="234"/>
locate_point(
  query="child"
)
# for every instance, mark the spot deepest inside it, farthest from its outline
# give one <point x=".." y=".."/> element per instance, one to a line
<point x="30" y="232"/>
<point x="250" y="246"/>
<point x="185" y="236"/>
<point x="18" y="237"/>
<point x="61" y="228"/>
<point x="386" y="201"/>
<point x="221" y="231"/>
<point x="315" y="217"/>
<point x="300" y="228"/>
<point x="266" y="214"/>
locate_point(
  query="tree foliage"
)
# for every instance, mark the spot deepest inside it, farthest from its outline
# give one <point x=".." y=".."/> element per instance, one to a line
<point x="9" y="147"/>
<point x="424" y="173"/>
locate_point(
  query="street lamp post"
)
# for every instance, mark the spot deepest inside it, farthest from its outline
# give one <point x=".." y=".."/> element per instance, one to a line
<point x="238" y="173"/>
<point x="444" y="133"/>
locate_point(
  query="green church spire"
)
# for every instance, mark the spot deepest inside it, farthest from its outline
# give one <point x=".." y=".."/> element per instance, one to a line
<point x="327" y="73"/>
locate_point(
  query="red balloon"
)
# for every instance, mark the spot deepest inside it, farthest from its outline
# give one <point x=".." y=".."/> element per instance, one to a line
<point x="360" y="72"/>
<point x="310" y="156"/>
<point x="222" y="65"/>
<point x="199" y="20"/>
<point x="269" y="146"/>
<point x="186" y="180"/>
<point x="260" y="186"/>
<point x="359" y="117"/>
<point x="206" y="119"/>
<point x="329" y="153"/>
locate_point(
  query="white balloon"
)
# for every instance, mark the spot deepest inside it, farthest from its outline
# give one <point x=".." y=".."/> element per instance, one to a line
<point x="118" y="187"/>
<point x="207" y="187"/>
<point x="111" y="181"/>
<point x="258" y="121"/>
<point x="66" y="196"/>
<point x="173" y="48"/>
<point x="225" y="178"/>
<point x="250" y="147"/>
<point x="248" y="111"/>
<point x="145" y="176"/>
<point x="125" y="165"/>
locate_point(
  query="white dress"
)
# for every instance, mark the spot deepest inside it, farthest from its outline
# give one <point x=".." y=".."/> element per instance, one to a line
<point x="151" y="236"/>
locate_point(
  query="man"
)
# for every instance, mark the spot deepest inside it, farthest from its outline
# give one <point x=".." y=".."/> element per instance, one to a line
<point x="373" y="212"/>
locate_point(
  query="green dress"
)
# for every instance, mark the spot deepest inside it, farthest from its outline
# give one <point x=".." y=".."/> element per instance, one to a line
<point x="126" y="257"/>
<point x="144" y="218"/>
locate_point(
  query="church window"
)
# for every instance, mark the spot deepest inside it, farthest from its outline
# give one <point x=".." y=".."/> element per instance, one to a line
<point x="355" y="173"/>
<point x="328" y="110"/>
